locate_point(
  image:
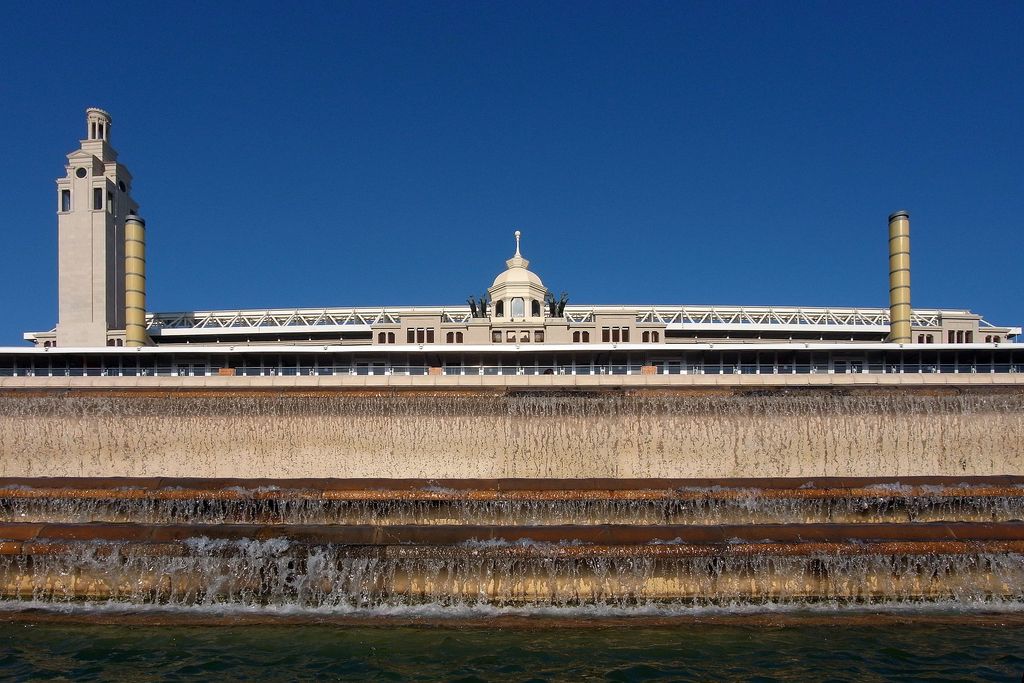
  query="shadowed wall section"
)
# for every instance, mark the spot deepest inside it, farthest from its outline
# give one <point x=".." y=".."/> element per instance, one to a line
<point x="807" y="433"/>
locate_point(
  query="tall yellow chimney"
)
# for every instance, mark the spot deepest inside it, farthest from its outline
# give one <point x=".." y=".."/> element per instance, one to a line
<point x="899" y="278"/>
<point x="135" y="281"/>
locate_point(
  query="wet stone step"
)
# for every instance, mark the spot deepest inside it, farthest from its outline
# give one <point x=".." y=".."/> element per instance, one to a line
<point x="513" y="502"/>
<point x="453" y="535"/>
<point x="234" y="571"/>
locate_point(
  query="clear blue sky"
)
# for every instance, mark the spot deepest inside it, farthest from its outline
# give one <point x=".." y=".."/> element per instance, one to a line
<point x="382" y="153"/>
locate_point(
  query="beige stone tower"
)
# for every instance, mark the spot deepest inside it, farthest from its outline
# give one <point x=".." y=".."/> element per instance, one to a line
<point x="93" y="201"/>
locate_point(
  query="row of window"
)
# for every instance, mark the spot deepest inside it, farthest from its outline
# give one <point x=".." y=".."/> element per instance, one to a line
<point x="110" y="342"/>
<point x="518" y="307"/>
<point x="425" y="335"/>
<point x="958" y="337"/>
<point x="420" y="335"/>
<point x="516" y="336"/>
<point x="615" y="334"/>
<point x="97" y="199"/>
<point x="710" y="362"/>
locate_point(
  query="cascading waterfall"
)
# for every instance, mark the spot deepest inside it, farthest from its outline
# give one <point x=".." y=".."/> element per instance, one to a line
<point x="276" y="573"/>
<point x="253" y="435"/>
<point x="751" y="506"/>
<point x="626" y="501"/>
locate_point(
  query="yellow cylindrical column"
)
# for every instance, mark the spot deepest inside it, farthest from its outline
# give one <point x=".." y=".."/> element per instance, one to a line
<point x="899" y="278"/>
<point x="135" y="281"/>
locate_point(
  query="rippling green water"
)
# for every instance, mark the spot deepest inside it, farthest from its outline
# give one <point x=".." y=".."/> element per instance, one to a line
<point x="839" y="652"/>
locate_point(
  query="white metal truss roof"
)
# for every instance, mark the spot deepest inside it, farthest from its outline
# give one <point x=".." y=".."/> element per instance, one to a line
<point x="300" y="321"/>
<point x="678" y="317"/>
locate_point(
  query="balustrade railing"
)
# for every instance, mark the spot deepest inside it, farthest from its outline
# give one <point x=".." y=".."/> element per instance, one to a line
<point x="195" y="370"/>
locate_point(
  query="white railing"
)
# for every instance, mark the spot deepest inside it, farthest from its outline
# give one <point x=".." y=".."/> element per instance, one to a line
<point x="659" y="368"/>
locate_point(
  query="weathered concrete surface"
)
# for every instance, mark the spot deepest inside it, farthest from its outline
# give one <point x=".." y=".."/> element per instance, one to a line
<point x="710" y="433"/>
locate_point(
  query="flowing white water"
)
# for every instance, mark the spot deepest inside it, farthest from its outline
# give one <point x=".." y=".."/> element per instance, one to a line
<point x="753" y="507"/>
<point x="256" y="574"/>
<point x="800" y="434"/>
<point x="617" y="436"/>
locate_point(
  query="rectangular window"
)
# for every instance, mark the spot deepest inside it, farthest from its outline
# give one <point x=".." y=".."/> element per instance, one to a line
<point x="524" y="336"/>
<point x="951" y="336"/>
<point x="496" y="336"/>
<point x="538" y="336"/>
<point x="606" y="334"/>
<point x="97" y="199"/>
<point x="110" y="202"/>
<point x="625" y="335"/>
<point x="65" y="200"/>
<point x="420" y="332"/>
<point x="615" y="334"/>
<point x="410" y="336"/>
<point x="430" y="336"/>
<point x="510" y="336"/>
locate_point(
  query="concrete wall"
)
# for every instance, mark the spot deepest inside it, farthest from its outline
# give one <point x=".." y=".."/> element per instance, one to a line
<point x="446" y="434"/>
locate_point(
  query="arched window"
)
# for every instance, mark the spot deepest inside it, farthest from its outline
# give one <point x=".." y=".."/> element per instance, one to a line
<point x="654" y="336"/>
<point x="120" y="342"/>
<point x="381" y="337"/>
<point x="449" y="338"/>
<point x="110" y="342"/>
<point x="518" y="307"/>
<point x="575" y="336"/>
<point x="499" y="308"/>
<point x="920" y="339"/>
<point x="458" y="337"/>
<point x="391" y="337"/>
<point x="534" y="308"/>
<point x="586" y="336"/>
<point x="988" y="338"/>
<point x="646" y="336"/>
<point x="995" y="338"/>
<point x="930" y="339"/>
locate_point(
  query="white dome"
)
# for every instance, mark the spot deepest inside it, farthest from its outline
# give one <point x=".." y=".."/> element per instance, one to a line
<point x="517" y="275"/>
<point x="517" y="271"/>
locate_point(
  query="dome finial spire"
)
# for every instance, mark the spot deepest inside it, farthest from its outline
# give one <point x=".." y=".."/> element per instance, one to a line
<point x="517" y="260"/>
